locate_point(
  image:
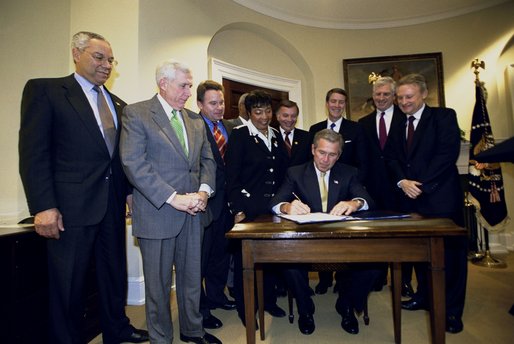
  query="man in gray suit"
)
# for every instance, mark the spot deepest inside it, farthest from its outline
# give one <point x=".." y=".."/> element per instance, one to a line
<point x="168" y="159"/>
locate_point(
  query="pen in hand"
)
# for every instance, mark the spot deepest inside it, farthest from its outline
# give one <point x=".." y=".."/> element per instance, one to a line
<point x="299" y="209"/>
<point x="296" y="196"/>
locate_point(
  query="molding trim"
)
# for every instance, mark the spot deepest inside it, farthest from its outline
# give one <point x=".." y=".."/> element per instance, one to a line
<point x="218" y="70"/>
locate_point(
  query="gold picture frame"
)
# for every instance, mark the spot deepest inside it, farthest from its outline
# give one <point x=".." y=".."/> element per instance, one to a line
<point x="358" y="70"/>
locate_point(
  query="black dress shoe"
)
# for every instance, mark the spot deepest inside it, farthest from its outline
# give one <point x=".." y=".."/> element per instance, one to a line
<point x="211" y="322"/>
<point x="275" y="311"/>
<point x="454" y="324"/>
<point x="138" y="336"/>
<point x="407" y="290"/>
<point x="414" y="305"/>
<point x="306" y="324"/>
<point x="349" y="322"/>
<point x="321" y="288"/>
<point x="206" y="339"/>
<point x="228" y="305"/>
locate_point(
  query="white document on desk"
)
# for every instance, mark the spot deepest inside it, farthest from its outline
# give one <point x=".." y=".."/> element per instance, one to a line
<point x="316" y="217"/>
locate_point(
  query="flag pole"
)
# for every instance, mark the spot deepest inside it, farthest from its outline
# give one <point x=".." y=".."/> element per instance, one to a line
<point x="484" y="259"/>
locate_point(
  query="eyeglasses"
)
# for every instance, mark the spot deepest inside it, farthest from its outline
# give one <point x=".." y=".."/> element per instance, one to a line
<point x="99" y="58"/>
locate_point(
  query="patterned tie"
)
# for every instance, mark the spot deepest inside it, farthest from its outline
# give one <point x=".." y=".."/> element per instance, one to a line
<point x="106" y="119"/>
<point x="332" y="126"/>
<point x="179" y="129"/>
<point x="323" y="191"/>
<point x="382" y="132"/>
<point x="288" y="142"/>
<point x="220" y="139"/>
<point x="410" y="132"/>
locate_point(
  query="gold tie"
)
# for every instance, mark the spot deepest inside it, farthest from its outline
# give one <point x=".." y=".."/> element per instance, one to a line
<point x="179" y="129"/>
<point x="323" y="191"/>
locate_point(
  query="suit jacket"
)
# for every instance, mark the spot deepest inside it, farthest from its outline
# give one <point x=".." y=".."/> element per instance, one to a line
<point x="157" y="166"/>
<point x="253" y="172"/>
<point x="219" y="200"/>
<point x="236" y="121"/>
<point x="431" y="161"/>
<point x="300" y="148"/>
<point x="376" y="177"/>
<point x="64" y="161"/>
<point x="353" y="149"/>
<point x="303" y="181"/>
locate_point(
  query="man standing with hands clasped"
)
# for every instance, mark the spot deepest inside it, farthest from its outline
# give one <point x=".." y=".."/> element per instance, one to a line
<point x="75" y="186"/>
<point x="424" y="167"/>
<point x="326" y="186"/>
<point x="168" y="159"/>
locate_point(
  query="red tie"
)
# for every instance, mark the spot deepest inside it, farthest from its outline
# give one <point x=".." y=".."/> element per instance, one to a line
<point x="287" y="142"/>
<point x="220" y="140"/>
<point x="382" y="132"/>
<point x="410" y="132"/>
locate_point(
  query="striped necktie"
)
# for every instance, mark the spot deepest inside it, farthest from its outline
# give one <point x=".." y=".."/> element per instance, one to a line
<point x="288" y="142"/>
<point x="220" y="139"/>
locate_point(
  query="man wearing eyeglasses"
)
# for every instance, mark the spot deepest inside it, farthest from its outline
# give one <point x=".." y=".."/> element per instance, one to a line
<point x="77" y="191"/>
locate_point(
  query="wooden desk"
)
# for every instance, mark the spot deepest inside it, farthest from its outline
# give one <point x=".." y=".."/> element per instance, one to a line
<point x="275" y="240"/>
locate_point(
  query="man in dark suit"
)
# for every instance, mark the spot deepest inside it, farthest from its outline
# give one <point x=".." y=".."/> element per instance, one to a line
<point x="353" y="153"/>
<point x="326" y="186"/>
<point x="77" y="191"/>
<point x="424" y="168"/>
<point x="215" y="254"/>
<point x="296" y="140"/>
<point x="168" y="159"/>
<point x="243" y="115"/>
<point x="387" y="120"/>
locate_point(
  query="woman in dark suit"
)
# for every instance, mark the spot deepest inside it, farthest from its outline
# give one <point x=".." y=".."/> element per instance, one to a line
<point x="256" y="163"/>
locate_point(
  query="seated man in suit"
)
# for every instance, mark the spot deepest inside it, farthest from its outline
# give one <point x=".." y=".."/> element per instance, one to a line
<point x="353" y="154"/>
<point x="328" y="186"/>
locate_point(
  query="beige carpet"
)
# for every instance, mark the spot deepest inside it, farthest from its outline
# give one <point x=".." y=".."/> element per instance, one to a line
<point x="490" y="294"/>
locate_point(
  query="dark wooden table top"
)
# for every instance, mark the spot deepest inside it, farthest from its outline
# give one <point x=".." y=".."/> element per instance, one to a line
<point x="274" y="227"/>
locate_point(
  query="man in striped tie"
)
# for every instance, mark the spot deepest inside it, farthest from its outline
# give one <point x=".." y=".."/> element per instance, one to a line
<point x="215" y="255"/>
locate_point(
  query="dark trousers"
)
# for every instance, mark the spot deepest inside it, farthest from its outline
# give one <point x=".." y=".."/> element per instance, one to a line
<point x="297" y="280"/>
<point x="215" y="262"/>
<point x="270" y="297"/>
<point x="355" y="283"/>
<point x="456" y="272"/>
<point x="68" y="262"/>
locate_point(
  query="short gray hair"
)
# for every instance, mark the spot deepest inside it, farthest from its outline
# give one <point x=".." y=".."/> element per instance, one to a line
<point x="168" y="69"/>
<point x="329" y="135"/>
<point x="81" y="39"/>
<point x="383" y="81"/>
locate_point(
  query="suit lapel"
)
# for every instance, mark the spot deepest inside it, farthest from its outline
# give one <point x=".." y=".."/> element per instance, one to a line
<point x="420" y="129"/>
<point x="312" y="186"/>
<point x="334" y="188"/>
<point x="80" y="103"/>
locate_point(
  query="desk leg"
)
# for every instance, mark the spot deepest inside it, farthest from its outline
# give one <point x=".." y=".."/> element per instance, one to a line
<point x="396" y="283"/>
<point x="260" y="297"/>
<point x="437" y="291"/>
<point x="249" y="290"/>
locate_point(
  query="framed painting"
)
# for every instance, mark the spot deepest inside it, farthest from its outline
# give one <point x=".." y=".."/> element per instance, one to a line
<point x="359" y="72"/>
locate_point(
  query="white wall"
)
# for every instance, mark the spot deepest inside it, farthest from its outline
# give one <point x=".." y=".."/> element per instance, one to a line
<point x="36" y="38"/>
